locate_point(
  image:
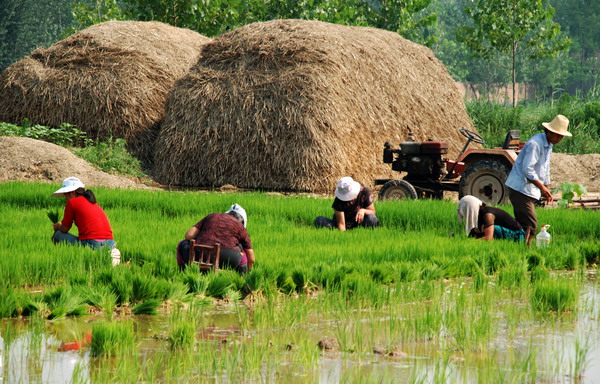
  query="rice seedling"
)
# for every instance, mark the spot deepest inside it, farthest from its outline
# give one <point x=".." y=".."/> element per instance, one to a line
<point x="181" y="335"/>
<point x="112" y="338"/>
<point x="8" y="303"/>
<point x="218" y="286"/>
<point x="555" y="296"/>
<point x="148" y="307"/>
<point x="63" y="301"/>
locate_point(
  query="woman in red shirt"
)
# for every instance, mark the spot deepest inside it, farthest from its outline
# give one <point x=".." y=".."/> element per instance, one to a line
<point x="82" y="209"/>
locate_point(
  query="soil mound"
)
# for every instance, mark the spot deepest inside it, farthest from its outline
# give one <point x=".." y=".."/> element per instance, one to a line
<point x="577" y="169"/>
<point x="295" y="105"/>
<point x="24" y="159"/>
<point x="110" y="79"/>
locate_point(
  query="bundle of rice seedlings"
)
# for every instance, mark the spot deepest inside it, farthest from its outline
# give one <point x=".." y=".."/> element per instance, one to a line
<point x="218" y="286"/>
<point x="63" y="301"/>
<point x="182" y="334"/>
<point x="8" y="303"/>
<point x="108" y="339"/>
<point x="110" y="80"/>
<point x="295" y="105"/>
<point x="148" y="307"/>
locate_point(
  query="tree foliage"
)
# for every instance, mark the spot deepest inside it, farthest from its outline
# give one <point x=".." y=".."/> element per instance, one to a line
<point x="513" y="27"/>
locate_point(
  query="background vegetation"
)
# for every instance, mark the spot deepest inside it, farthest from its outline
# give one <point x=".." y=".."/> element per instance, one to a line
<point x="572" y="68"/>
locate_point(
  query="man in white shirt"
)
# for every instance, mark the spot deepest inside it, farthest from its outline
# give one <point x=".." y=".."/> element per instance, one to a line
<point x="529" y="178"/>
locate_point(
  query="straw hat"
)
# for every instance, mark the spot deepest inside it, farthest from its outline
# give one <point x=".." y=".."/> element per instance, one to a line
<point x="69" y="184"/>
<point x="558" y="125"/>
<point x="347" y="189"/>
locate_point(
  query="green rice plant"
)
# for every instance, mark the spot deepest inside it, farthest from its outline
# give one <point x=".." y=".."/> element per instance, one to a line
<point x="178" y="292"/>
<point x="513" y="276"/>
<point x="63" y="301"/>
<point x="148" y="307"/>
<point x="590" y="251"/>
<point x="196" y="283"/>
<point x="382" y="275"/>
<point x="53" y="215"/>
<point x="554" y="296"/>
<point x="573" y="259"/>
<point x="144" y="288"/>
<point x="581" y="357"/>
<point x="122" y="288"/>
<point x="112" y="338"/>
<point x="8" y="303"/>
<point x="182" y="334"/>
<point x="101" y="297"/>
<point x="539" y="273"/>
<point x="218" y="286"/>
<point x="34" y="305"/>
<point x="255" y="281"/>
<point x="300" y="278"/>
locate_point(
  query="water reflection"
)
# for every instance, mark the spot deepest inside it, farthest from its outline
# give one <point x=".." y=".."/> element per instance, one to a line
<point x="566" y="350"/>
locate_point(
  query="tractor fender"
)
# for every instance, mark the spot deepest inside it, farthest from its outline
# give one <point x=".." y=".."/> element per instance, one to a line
<point x="474" y="155"/>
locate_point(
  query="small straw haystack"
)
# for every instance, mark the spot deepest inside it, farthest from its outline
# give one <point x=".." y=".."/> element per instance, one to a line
<point x="295" y="105"/>
<point x="110" y="79"/>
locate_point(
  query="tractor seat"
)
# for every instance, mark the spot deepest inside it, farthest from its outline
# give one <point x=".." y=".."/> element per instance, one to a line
<point x="512" y="140"/>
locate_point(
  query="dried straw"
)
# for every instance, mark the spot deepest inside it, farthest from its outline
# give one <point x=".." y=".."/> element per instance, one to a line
<point x="295" y="105"/>
<point x="110" y="79"/>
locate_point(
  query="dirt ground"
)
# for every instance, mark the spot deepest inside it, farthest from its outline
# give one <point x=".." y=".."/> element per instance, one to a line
<point x="24" y="159"/>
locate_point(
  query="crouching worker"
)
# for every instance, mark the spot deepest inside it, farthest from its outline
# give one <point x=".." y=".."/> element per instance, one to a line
<point x="227" y="229"/>
<point x="81" y="208"/>
<point x="352" y="207"/>
<point x="487" y="223"/>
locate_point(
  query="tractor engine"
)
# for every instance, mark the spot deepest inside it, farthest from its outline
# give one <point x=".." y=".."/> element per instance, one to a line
<point x="420" y="160"/>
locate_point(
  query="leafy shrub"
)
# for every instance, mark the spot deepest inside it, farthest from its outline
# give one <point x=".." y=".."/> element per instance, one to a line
<point x="112" y="157"/>
<point x="67" y="135"/>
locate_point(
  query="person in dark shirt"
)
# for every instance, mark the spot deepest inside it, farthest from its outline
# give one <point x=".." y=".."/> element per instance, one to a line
<point x="353" y="207"/>
<point x="487" y="223"/>
<point x="227" y="229"/>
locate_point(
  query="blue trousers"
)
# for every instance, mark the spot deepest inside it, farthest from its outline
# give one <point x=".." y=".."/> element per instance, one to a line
<point x="67" y="238"/>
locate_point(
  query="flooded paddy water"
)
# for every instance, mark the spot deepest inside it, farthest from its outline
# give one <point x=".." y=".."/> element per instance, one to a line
<point x="456" y="335"/>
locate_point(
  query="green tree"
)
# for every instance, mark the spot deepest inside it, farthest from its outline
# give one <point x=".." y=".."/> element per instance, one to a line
<point x="28" y="24"/>
<point x="513" y="27"/>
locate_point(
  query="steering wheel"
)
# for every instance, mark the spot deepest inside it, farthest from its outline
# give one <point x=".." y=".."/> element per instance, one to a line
<point x="472" y="136"/>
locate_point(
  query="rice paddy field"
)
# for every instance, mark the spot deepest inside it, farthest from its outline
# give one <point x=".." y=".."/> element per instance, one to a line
<point x="413" y="301"/>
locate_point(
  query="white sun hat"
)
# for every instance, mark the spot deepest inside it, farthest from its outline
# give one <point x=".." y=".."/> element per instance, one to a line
<point x="69" y="184"/>
<point x="347" y="189"/>
<point x="240" y="211"/>
<point x="558" y="125"/>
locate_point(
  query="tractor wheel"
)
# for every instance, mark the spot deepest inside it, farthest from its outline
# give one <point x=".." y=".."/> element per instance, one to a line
<point x="485" y="179"/>
<point x="397" y="189"/>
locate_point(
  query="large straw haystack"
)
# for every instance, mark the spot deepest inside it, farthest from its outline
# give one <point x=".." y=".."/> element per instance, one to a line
<point x="110" y="79"/>
<point x="294" y="105"/>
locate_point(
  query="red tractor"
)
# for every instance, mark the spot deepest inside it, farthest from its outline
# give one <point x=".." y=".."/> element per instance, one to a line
<point x="477" y="172"/>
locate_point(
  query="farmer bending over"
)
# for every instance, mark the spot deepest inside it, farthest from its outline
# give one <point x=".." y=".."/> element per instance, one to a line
<point x="353" y="207"/>
<point x="227" y="229"/>
<point x="82" y="209"/>
<point x="487" y="223"/>
<point x="529" y="178"/>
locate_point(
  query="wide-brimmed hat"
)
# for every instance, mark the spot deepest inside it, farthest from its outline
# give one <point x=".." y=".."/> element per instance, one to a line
<point x="558" y="125"/>
<point x="69" y="184"/>
<point x="347" y="189"/>
<point x="240" y="211"/>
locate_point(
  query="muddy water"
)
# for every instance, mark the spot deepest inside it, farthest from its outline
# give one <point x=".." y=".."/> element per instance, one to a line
<point x="46" y="352"/>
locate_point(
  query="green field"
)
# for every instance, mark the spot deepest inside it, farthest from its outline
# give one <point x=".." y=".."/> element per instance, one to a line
<point x="433" y="305"/>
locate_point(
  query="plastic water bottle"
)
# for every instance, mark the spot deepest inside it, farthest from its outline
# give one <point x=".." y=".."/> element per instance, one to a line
<point x="115" y="254"/>
<point x="543" y="238"/>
